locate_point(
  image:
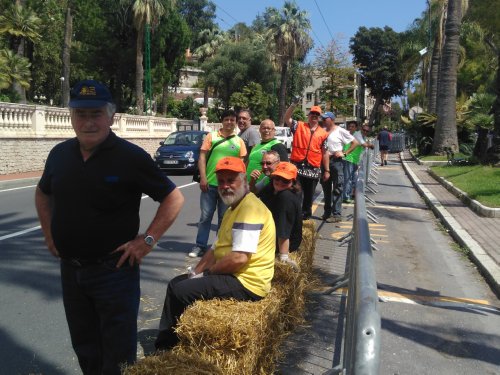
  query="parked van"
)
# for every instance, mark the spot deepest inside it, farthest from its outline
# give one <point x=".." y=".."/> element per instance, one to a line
<point x="284" y="135"/>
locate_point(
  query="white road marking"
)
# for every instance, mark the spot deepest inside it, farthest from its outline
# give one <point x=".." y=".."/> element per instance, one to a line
<point x="20" y="233"/>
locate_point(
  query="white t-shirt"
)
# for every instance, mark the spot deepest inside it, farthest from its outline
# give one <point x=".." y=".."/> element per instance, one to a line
<point x="337" y="139"/>
<point x="359" y="137"/>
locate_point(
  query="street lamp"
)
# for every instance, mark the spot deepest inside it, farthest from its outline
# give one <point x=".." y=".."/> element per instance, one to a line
<point x="62" y="91"/>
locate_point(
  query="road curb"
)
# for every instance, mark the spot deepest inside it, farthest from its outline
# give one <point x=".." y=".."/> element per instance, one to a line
<point x="481" y="258"/>
<point x="473" y="204"/>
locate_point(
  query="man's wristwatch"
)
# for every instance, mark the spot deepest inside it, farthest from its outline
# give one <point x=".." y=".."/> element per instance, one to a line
<point x="149" y="240"/>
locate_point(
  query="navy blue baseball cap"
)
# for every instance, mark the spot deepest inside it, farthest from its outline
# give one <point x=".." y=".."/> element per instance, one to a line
<point x="89" y="94"/>
<point x="328" y="115"/>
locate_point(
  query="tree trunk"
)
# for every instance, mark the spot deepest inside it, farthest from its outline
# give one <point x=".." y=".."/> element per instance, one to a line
<point x="446" y="127"/>
<point x="374" y="111"/>
<point x="493" y="155"/>
<point x="205" y="96"/>
<point x="433" y="76"/>
<point x="139" y="72"/>
<point x="66" y="56"/>
<point x="164" y="99"/>
<point x="282" y="94"/>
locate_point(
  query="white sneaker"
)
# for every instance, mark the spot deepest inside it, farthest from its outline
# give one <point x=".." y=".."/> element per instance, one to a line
<point x="196" y="252"/>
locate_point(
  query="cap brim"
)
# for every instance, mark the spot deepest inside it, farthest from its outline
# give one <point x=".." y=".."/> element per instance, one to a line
<point x="87" y="103"/>
<point x="285" y="176"/>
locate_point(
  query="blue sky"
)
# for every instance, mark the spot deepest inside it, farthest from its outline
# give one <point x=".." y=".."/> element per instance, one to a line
<point x="342" y="17"/>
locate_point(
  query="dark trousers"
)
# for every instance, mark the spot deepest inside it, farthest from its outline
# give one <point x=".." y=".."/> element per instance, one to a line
<point x="101" y="304"/>
<point x="308" y="189"/>
<point x="333" y="188"/>
<point x="182" y="292"/>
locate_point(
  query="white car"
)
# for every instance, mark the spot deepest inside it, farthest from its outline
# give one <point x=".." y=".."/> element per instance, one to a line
<point x="284" y="135"/>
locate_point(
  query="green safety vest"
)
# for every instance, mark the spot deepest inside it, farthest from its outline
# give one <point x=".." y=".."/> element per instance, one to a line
<point x="227" y="148"/>
<point x="355" y="154"/>
<point x="256" y="156"/>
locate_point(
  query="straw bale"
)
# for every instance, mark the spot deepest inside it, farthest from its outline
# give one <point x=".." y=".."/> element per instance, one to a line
<point x="241" y="337"/>
<point x="234" y="335"/>
<point x="172" y="363"/>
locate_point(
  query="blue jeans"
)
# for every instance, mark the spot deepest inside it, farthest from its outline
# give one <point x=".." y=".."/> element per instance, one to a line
<point x="101" y="304"/>
<point x="350" y="175"/>
<point x="333" y="187"/>
<point x="209" y="201"/>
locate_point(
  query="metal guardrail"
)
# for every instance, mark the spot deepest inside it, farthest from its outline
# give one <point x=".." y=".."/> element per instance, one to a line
<point x="361" y="346"/>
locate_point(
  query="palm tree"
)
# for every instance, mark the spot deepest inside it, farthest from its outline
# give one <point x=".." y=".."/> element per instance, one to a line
<point x="213" y="40"/>
<point x="21" y="24"/>
<point x="14" y="70"/>
<point x="289" y="40"/>
<point x="146" y="12"/>
<point x="446" y="127"/>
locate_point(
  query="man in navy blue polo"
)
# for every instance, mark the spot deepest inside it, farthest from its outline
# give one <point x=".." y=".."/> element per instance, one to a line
<point x="88" y="202"/>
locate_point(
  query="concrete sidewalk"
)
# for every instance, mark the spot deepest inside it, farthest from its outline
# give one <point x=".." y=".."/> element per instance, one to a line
<point x="481" y="235"/>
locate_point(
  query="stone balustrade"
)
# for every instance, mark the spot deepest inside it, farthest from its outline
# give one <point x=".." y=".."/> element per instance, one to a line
<point x="28" y="121"/>
<point x="28" y="133"/>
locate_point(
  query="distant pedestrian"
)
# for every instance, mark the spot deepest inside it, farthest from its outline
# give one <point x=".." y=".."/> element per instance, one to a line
<point x="88" y="201"/>
<point x="352" y="160"/>
<point x="334" y="185"/>
<point x="216" y="145"/>
<point x="384" y="142"/>
<point x="248" y="133"/>
<point x="308" y="153"/>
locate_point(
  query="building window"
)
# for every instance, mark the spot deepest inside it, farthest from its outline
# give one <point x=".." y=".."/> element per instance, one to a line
<point x="309" y="96"/>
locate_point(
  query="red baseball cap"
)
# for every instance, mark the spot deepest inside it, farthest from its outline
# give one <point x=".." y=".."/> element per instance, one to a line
<point x="286" y="170"/>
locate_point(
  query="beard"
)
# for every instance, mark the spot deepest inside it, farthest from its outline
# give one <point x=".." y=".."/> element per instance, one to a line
<point x="230" y="196"/>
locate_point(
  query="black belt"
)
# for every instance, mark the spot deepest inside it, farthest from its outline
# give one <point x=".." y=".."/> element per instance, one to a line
<point x="81" y="262"/>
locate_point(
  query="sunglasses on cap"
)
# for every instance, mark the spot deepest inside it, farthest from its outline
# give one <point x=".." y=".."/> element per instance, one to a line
<point x="314" y="113"/>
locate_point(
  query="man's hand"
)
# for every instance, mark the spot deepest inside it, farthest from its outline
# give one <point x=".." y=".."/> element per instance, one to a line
<point x="255" y="174"/>
<point x="326" y="175"/>
<point x="134" y="250"/>
<point x="203" y="184"/>
<point x="52" y="248"/>
<point x="296" y="99"/>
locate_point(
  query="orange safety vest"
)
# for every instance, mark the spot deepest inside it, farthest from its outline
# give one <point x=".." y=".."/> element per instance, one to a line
<point x="302" y="141"/>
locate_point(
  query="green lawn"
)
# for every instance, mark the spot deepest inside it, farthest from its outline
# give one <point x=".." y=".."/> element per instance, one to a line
<point x="441" y="157"/>
<point x="479" y="182"/>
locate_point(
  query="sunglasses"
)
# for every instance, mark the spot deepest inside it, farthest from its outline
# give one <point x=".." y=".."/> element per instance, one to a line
<point x="267" y="162"/>
<point x="314" y="113"/>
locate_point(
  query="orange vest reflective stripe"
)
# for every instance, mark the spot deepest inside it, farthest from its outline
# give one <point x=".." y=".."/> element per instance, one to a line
<point x="300" y="143"/>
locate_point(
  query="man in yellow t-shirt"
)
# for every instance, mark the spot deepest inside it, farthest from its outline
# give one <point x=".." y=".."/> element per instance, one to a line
<point x="240" y="264"/>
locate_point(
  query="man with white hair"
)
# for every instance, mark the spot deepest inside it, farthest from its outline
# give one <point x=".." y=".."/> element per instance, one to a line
<point x="88" y="201"/>
<point x="239" y="265"/>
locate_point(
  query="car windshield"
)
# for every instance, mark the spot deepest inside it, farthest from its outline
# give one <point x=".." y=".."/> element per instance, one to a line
<point x="184" y="139"/>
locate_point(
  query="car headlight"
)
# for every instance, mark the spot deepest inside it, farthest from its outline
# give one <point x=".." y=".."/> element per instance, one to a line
<point x="189" y="154"/>
<point x="157" y="153"/>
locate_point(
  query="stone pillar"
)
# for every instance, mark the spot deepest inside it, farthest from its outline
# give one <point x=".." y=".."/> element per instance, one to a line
<point x="38" y="121"/>
<point x="203" y="118"/>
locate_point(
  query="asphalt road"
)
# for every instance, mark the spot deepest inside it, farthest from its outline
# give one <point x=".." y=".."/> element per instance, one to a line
<point x="34" y="338"/>
<point x="439" y="315"/>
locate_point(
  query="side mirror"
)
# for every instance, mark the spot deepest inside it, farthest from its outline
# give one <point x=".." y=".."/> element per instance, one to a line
<point x="161" y="143"/>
